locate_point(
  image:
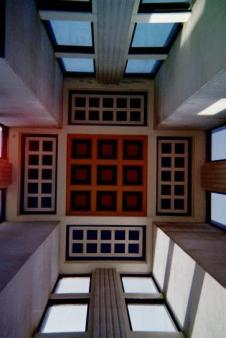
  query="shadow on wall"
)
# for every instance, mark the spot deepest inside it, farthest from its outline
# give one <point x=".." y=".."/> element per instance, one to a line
<point x="196" y="299"/>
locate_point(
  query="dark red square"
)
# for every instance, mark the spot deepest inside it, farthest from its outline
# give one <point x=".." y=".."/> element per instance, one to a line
<point x="80" y="174"/>
<point x="132" y="201"/>
<point x="132" y="175"/>
<point x="133" y="150"/>
<point x="106" y="175"/>
<point x="80" y="200"/>
<point x="81" y="149"/>
<point x="107" y="149"/>
<point x="106" y="201"/>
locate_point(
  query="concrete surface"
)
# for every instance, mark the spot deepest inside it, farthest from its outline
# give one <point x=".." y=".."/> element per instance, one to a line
<point x="196" y="298"/>
<point x="193" y="76"/>
<point x="29" y="267"/>
<point x="31" y="79"/>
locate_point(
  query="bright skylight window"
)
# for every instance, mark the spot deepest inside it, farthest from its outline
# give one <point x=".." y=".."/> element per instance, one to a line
<point x="218" y="207"/>
<point x="218" y="142"/>
<point x="65" y="318"/>
<point x="139" y="285"/>
<point x="72" y="33"/>
<point x="140" y="66"/>
<point x="73" y="285"/>
<point x="78" y="65"/>
<point x="150" y="318"/>
<point x="152" y="34"/>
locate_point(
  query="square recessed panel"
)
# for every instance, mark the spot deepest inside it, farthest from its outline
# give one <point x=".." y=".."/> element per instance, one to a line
<point x="150" y="318"/>
<point x="65" y="318"/>
<point x="73" y="285"/>
<point x="81" y="174"/>
<point x="138" y="66"/>
<point x="81" y="149"/>
<point x="72" y="33"/>
<point x="78" y="65"/>
<point x="80" y="200"/>
<point x="106" y="201"/>
<point x="152" y="34"/>
<point x="139" y="285"/>
<point x="106" y="175"/>
<point x="132" y="175"/>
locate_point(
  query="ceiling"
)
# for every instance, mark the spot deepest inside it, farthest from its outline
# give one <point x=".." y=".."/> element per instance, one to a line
<point x="112" y="40"/>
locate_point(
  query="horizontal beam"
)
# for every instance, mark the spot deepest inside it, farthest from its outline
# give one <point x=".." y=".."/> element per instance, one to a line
<point x="65" y="15"/>
<point x="74" y="50"/>
<point x="162" y="17"/>
<point x="74" y="55"/>
<point x="65" y="6"/>
<point x="152" y="7"/>
<point x="66" y="296"/>
<point x="147" y="56"/>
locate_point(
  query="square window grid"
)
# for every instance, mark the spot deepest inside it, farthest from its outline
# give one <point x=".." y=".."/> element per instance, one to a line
<point x="107" y="108"/>
<point x="87" y="242"/>
<point x="107" y="175"/>
<point x="174" y="176"/>
<point x="39" y="174"/>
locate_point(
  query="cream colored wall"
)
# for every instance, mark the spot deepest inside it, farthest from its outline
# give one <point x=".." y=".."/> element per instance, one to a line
<point x="198" y="197"/>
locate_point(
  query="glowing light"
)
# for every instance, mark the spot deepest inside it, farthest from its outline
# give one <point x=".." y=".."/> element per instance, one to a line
<point x="214" y="108"/>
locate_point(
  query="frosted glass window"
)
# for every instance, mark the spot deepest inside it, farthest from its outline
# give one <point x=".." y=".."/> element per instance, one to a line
<point x="218" y="208"/>
<point x="152" y="34"/>
<point x="140" y="66"/>
<point x="150" y="318"/>
<point x="73" y="285"/>
<point x="139" y="285"/>
<point x="72" y="33"/>
<point x="78" y="65"/>
<point x="218" y="142"/>
<point x="65" y="318"/>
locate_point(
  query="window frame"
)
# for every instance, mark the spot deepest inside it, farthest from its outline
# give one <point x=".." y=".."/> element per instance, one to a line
<point x="4" y="155"/>
<point x="208" y="193"/>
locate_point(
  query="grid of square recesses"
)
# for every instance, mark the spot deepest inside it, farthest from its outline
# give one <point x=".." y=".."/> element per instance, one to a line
<point x="106" y="175"/>
<point x="174" y="163"/>
<point x="38" y="193"/>
<point x="105" y="242"/>
<point x="119" y="108"/>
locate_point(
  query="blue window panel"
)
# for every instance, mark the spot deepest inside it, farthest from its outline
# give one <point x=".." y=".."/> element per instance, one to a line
<point x="152" y="34"/>
<point x="78" y="234"/>
<point x="92" y="234"/>
<point x="72" y="33"/>
<point x="134" y="235"/>
<point x="164" y="1"/>
<point x="106" y="234"/>
<point x="77" y="248"/>
<point x="91" y="248"/>
<point x="78" y="65"/>
<point x="105" y="248"/>
<point x="120" y="235"/>
<point x="133" y="248"/>
<point x="120" y="248"/>
<point x="140" y="66"/>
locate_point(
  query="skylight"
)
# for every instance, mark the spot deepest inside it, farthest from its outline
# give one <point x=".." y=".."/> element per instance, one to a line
<point x="218" y="142"/>
<point x="78" y="65"/>
<point x="150" y="318"/>
<point x="139" y="285"/>
<point x="72" y="33"/>
<point x="152" y="34"/>
<point x="138" y="66"/>
<point x="73" y="285"/>
<point x="218" y="207"/>
<point x="65" y="318"/>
